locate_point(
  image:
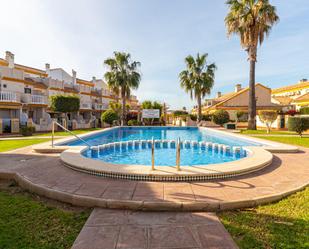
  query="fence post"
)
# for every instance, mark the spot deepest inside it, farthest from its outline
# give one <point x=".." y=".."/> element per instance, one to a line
<point x="152" y="155"/>
<point x="53" y="131"/>
<point x="178" y="155"/>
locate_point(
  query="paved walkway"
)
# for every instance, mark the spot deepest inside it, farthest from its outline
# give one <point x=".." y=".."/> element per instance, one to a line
<point x="110" y="229"/>
<point x="46" y="175"/>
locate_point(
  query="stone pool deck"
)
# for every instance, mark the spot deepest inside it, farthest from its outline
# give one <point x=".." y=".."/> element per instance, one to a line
<point x="45" y="175"/>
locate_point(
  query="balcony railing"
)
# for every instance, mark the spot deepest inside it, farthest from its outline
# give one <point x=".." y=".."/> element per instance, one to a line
<point x="100" y="107"/>
<point x="38" y="99"/>
<point x="9" y="97"/>
<point x="86" y="106"/>
<point x="34" y="99"/>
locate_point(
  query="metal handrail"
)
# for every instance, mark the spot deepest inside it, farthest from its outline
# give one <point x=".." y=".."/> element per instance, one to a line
<point x="178" y="155"/>
<point x="53" y="133"/>
<point x="152" y="154"/>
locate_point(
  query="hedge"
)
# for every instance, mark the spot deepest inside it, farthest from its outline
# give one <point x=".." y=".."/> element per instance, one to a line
<point x="304" y="110"/>
<point x="298" y="124"/>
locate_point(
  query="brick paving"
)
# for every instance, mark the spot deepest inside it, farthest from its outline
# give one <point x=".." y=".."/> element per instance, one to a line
<point x="110" y="229"/>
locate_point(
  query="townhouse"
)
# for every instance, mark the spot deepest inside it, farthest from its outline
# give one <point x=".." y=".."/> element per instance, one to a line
<point x="25" y="94"/>
<point x="296" y="95"/>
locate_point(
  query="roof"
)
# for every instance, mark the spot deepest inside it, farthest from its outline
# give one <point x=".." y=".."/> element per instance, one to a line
<point x="302" y="98"/>
<point x="225" y="96"/>
<point x="234" y="94"/>
<point x="27" y="69"/>
<point x="297" y="86"/>
<point x="84" y="82"/>
<point x="283" y="100"/>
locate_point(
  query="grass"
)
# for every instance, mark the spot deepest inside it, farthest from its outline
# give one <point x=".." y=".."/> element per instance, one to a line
<point x="304" y="141"/>
<point x="28" y="223"/>
<point x="6" y="145"/>
<point x="281" y="225"/>
<point x="64" y="133"/>
<point x="264" y="132"/>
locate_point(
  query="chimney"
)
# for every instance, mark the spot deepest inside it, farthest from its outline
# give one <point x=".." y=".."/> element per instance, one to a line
<point x="93" y="79"/>
<point x="47" y="68"/>
<point x="237" y="88"/>
<point x="9" y="57"/>
<point x="218" y="94"/>
<point x="74" y="77"/>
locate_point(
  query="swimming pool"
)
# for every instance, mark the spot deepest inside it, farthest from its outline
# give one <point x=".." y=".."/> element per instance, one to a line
<point x="164" y="156"/>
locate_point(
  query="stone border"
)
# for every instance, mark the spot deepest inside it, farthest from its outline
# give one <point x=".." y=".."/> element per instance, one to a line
<point x="257" y="159"/>
<point x="85" y="201"/>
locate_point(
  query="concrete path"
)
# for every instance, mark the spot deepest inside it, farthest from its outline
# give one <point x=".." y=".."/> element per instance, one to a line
<point x="110" y="229"/>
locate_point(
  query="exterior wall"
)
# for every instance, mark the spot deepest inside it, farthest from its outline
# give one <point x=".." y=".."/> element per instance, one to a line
<point x="61" y="75"/>
<point x="263" y="96"/>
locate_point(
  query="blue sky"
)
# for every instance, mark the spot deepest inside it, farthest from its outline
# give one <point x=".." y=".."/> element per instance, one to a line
<point x="80" y="34"/>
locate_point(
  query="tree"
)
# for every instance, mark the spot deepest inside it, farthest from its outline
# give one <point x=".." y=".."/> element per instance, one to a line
<point x="109" y="116"/>
<point x="198" y="79"/>
<point x="268" y="118"/>
<point x="64" y="104"/>
<point x="123" y="75"/>
<point x="252" y="20"/>
<point x="117" y="107"/>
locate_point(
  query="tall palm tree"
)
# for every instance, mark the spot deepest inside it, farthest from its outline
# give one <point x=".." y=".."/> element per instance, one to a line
<point x="198" y="79"/>
<point x="122" y="74"/>
<point x="252" y="20"/>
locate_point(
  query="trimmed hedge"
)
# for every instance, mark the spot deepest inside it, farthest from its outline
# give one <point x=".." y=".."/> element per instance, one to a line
<point x="221" y="117"/>
<point x="298" y="124"/>
<point x="304" y="110"/>
<point x="65" y="104"/>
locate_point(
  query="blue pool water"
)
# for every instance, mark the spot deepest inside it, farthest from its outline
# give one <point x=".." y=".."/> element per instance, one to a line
<point x="163" y="156"/>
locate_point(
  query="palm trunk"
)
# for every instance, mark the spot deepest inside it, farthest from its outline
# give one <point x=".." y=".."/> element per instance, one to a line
<point x="123" y="113"/>
<point x="252" y="99"/>
<point x="199" y="108"/>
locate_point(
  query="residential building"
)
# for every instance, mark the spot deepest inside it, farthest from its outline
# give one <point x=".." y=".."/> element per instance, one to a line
<point x="25" y="94"/>
<point x="238" y="100"/>
<point x="296" y="95"/>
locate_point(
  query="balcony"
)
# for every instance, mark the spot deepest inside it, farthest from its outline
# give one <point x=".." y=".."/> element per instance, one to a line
<point x="86" y="106"/>
<point x="9" y="97"/>
<point x="100" y="107"/>
<point x="34" y="99"/>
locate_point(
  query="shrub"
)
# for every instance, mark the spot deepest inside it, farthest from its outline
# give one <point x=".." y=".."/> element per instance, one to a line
<point x="132" y="122"/>
<point x="65" y="104"/>
<point x="206" y="117"/>
<point x="268" y="117"/>
<point x="304" y="110"/>
<point x="242" y="116"/>
<point x="109" y="117"/>
<point x="193" y="117"/>
<point x="298" y="124"/>
<point x="27" y="130"/>
<point x="221" y="117"/>
<point x="291" y="112"/>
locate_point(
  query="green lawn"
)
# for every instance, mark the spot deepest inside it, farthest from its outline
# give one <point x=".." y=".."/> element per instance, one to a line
<point x="64" y="133"/>
<point x="27" y="223"/>
<point x="6" y="145"/>
<point x="264" y="132"/>
<point x="304" y="141"/>
<point x="280" y="225"/>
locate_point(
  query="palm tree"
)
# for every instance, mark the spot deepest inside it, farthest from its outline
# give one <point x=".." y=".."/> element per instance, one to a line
<point x="123" y="75"/>
<point x="252" y="20"/>
<point x="198" y="79"/>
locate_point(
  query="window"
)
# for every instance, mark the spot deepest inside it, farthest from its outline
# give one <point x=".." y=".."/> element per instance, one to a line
<point x="4" y="86"/>
<point x="27" y="90"/>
